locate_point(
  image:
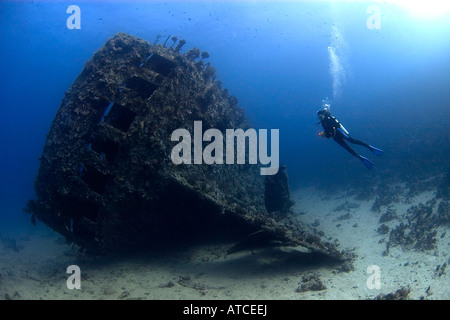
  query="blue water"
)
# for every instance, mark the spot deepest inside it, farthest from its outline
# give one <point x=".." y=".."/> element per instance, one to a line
<point x="388" y="86"/>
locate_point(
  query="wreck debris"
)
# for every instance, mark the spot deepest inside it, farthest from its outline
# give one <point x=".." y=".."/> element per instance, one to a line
<point x="210" y="73"/>
<point x="400" y="294"/>
<point x="158" y="37"/>
<point x="106" y="180"/>
<point x="383" y="229"/>
<point x="180" y="44"/>
<point x="192" y="54"/>
<point x="419" y="227"/>
<point x="311" y="282"/>
<point x="386" y="195"/>
<point x="165" y="42"/>
<point x="205" y="55"/>
<point x="277" y="195"/>
<point x="389" y="215"/>
<point x="174" y="39"/>
<point x="440" y="270"/>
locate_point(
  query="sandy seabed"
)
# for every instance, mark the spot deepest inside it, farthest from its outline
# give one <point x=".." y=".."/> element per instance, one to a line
<point x="34" y="261"/>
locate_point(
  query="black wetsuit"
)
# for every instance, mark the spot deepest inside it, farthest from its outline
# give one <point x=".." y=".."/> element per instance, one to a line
<point x="331" y="127"/>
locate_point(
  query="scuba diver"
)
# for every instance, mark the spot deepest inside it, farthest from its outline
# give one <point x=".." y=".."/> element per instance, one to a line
<point x="334" y="129"/>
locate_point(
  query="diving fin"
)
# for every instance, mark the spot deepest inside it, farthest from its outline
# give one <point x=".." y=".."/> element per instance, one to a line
<point x="366" y="162"/>
<point x="377" y="151"/>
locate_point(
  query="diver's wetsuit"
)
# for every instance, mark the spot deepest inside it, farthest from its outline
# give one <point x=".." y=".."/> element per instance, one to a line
<point x="332" y="129"/>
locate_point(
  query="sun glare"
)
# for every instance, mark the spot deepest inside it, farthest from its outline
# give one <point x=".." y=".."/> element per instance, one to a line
<point x="425" y="8"/>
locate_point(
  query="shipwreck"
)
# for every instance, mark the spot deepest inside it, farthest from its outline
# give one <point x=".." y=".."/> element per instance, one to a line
<point x="106" y="181"/>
